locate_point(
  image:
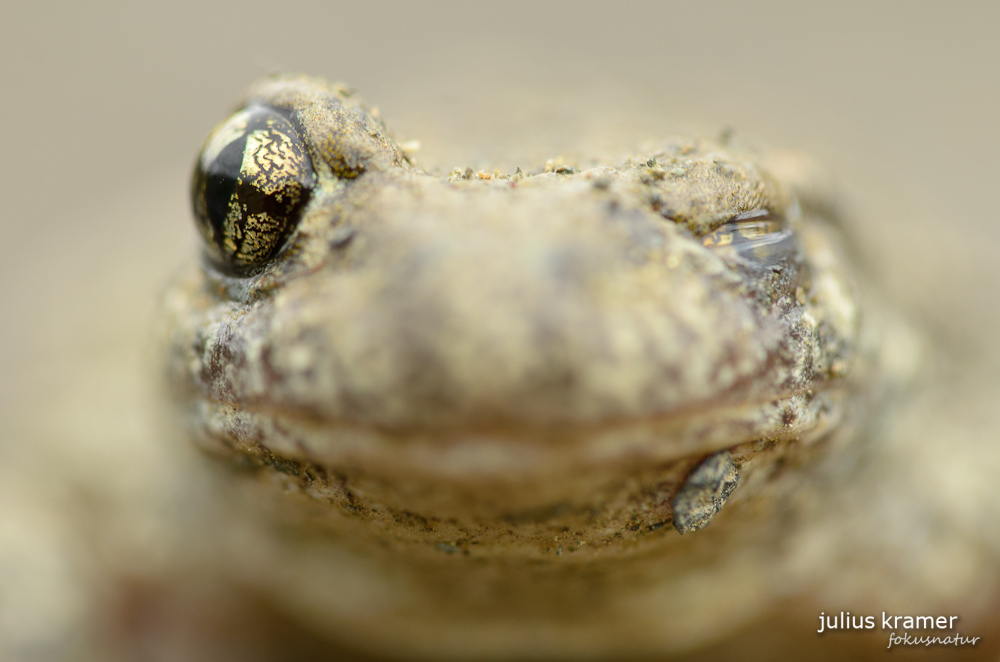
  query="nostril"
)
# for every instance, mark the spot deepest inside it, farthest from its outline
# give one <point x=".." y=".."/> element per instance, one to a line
<point x="341" y="236"/>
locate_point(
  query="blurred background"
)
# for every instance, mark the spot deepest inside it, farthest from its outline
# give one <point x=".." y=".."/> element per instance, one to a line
<point x="106" y="104"/>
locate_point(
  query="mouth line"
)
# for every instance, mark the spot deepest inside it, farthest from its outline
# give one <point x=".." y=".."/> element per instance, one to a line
<point x="506" y="452"/>
<point x="717" y="403"/>
<point x="727" y="400"/>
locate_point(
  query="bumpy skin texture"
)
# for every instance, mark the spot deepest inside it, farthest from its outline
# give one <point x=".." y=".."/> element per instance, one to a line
<point x="705" y="492"/>
<point x="484" y="395"/>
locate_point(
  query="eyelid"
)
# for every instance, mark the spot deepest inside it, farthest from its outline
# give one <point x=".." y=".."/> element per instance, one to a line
<point x="761" y="236"/>
<point x="749" y="230"/>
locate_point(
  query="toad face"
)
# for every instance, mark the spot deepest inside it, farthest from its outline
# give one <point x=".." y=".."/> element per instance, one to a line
<point x="513" y="366"/>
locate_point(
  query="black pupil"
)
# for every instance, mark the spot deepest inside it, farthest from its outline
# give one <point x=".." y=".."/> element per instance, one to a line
<point x="221" y="180"/>
<point x="250" y="185"/>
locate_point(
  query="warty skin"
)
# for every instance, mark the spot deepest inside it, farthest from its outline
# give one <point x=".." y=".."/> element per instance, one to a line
<point x="476" y="401"/>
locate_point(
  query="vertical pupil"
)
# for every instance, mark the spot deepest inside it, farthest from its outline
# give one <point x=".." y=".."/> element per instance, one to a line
<point x="250" y="185"/>
<point x="220" y="183"/>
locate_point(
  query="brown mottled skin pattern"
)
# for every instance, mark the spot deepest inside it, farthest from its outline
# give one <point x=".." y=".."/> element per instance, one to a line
<point x="487" y="350"/>
<point x="465" y="416"/>
<point x="493" y="387"/>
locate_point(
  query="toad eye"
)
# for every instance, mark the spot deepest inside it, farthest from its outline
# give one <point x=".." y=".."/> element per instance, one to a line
<point x="250" y="184"/>
<point x="759" y="236"/>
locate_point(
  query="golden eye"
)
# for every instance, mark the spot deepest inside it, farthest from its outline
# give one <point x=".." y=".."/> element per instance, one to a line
<point x="250" y="184"/>
<point x="760" y="236"/>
